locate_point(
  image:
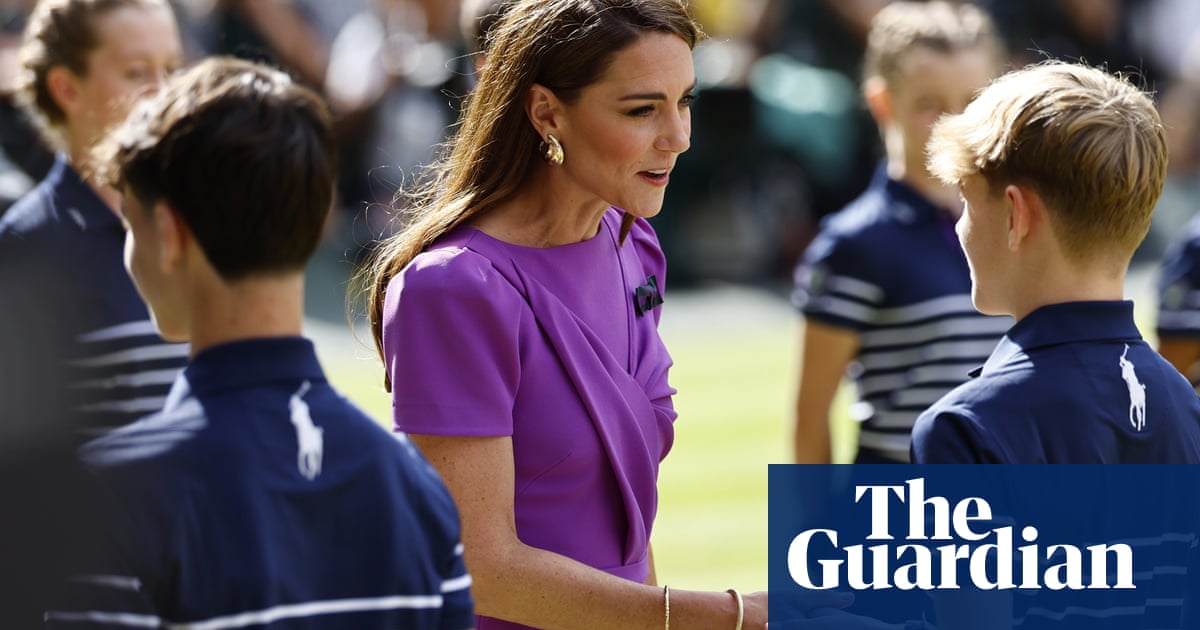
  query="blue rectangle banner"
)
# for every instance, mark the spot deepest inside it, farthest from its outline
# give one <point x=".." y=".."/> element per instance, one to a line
<point x="984" y="547"/>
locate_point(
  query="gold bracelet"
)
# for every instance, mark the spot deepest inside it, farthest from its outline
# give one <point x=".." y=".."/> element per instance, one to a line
<point x="667" y="604"/>
<point x="741" y="606"/>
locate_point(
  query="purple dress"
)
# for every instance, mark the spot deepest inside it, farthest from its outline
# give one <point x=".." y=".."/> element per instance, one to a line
<point x="485" y="338"/>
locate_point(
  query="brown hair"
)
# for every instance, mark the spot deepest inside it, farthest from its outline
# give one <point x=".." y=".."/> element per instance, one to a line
<point x="242" y="153"/>
<point x="564" y="45"/>
<point x="945" y="27"/>
<point x="60" y="33"/>
<point x="1091" y="144"/>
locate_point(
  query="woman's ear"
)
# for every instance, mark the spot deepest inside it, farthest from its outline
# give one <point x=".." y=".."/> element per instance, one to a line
<point x="63" y="86"/>
<point x="542" y="107"/>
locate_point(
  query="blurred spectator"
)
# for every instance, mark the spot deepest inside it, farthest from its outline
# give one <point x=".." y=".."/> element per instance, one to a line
<point x="382" y="66"/>
<point x="84" y="64"/>
<point x="1168" y="31"/>
<point x="884" y="288"/>
<point x="23" y="159"/>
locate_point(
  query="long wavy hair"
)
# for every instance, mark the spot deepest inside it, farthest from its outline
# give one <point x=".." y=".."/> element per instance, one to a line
<point x="563" y="45"/>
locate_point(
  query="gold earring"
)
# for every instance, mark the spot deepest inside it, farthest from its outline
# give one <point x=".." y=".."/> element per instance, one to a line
<point x="552" y="150"/>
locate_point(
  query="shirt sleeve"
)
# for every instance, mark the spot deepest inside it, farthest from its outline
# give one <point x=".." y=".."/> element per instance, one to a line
<point x="950" y="437"/>
<point x="833" y="283"/>
<point x="1179" y="289"/>
<point x="451" y="327"/>
<point x="109" y="588"/>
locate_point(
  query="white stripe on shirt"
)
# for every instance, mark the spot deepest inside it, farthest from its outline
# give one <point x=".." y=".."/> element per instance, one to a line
<point x="128" y="329"/>
<point x="459" y="583"/>
<point x="135" y="379"/>
<point x="127" y="620"/>
<point x="312" y="609"/>
<point x="132" y="355"/>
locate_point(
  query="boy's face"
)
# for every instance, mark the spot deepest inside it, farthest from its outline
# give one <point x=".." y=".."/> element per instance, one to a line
<point x="930" y="84"/>
<point x="983" y="231"/>
<point x="146" y="262"/>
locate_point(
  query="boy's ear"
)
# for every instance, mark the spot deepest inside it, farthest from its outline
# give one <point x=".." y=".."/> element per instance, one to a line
<point x="174" y="237"/>
<point x="1026" y="213"/>
<point x="542" y="108"/>
<point x="878" y="99"/>
<point x="63" y="86"/>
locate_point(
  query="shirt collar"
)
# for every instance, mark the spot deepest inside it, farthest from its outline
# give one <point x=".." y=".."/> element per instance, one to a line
<point x="248" y="363"/>
<point x="907" y="206"/>
<point x="1069" y="322"/>
<point x="85" y="208"/>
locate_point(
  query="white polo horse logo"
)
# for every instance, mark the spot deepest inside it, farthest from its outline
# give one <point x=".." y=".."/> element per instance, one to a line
<point x="309" y="436"/>
<point x="1137" y="392"/>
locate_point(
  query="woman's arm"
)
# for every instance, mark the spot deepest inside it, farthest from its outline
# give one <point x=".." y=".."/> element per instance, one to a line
<point x="531" y="586"/>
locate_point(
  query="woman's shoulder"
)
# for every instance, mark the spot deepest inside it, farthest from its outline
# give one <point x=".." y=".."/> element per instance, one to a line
<point x="450" y="269"/>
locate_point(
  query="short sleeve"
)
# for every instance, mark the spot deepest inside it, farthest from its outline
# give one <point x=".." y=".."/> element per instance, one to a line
<point x="950" y="437"/>
<point x="833" y="283"/>
<point x="1179" y="288"/>
<point x="451" y="345"/>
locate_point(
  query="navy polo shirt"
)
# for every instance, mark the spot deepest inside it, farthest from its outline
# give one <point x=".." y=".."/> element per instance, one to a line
<point x="889" y="267"/>
<point x="260" y="496"/>
<point x="76" y="336"/>
<point x="1070" y="383"/>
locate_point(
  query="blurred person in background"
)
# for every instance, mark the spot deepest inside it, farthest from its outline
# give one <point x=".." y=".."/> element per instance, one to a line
<point x="884" y="289"/>
<point x="385" y="67"/>
<point x="77" y="348"/>
<point x="84" y="64"/>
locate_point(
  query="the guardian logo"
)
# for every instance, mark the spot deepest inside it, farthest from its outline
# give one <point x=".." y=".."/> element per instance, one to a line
<point x="946" y="544"/>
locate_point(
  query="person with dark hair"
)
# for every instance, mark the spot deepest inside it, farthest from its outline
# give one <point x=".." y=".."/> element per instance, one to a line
<point x="84" y="62"/>
<point x="239" y="503"/>
<point x="517" y="315"/>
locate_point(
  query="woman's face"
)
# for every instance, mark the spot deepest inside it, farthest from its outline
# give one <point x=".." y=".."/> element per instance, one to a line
<point x="138" y="47"/>
<point x="625" y="131"/>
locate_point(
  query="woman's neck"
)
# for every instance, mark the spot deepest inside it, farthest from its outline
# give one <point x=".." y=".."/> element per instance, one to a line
<point x="543" y="215"/>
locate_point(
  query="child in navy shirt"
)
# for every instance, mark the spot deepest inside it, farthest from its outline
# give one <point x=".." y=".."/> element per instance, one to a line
<point x="884" y="289"/>
<point x="1060" y="167"/>
<point x="258" y="495"/>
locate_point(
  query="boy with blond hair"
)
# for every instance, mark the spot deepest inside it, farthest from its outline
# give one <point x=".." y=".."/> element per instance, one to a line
<point x="883" y="289"/>
<point x="1060" y="167"/>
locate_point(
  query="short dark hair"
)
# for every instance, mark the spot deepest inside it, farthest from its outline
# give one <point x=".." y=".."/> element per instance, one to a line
<point x="244" y="155"/>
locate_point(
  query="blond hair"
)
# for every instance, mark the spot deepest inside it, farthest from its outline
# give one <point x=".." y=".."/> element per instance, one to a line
<point x="901" y="27"/>
<point x="1091" y="144"/>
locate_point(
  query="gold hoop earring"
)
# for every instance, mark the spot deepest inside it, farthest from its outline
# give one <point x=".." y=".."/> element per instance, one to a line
<point x="552" y="150"/>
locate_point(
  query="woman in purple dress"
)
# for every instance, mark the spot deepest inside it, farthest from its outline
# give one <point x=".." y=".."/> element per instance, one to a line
<point x="517" y="315"/>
